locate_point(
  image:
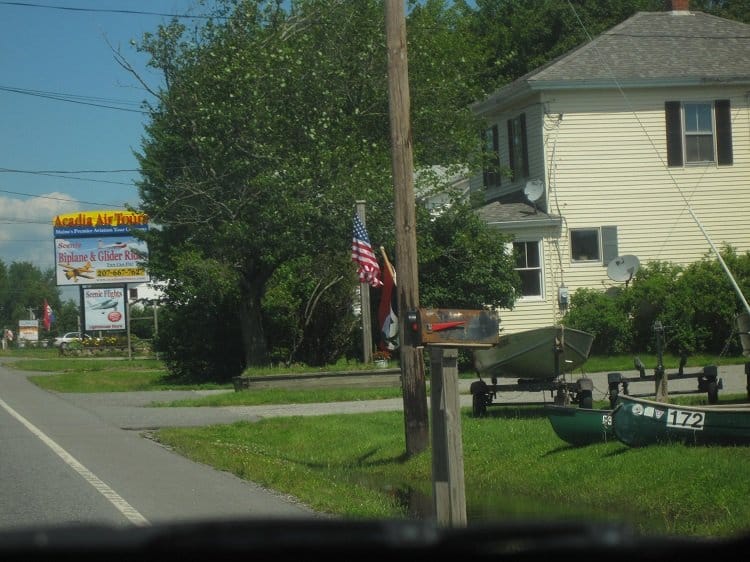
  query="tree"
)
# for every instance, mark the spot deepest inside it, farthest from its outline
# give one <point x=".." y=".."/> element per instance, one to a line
<point x="462" y="263"/>
<point x="518" y="36"/>
<point x="270" y="126"/>
<point x="23" y="290"/>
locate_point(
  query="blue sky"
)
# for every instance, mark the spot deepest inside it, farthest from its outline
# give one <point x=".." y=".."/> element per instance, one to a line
<point x="58" y="51"/>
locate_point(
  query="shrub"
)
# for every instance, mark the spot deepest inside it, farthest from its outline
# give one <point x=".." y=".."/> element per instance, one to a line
<point x="600" y="314"/>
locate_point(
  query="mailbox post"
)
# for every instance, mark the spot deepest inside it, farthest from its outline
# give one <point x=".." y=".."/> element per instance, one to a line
<point x="444" y="331"/>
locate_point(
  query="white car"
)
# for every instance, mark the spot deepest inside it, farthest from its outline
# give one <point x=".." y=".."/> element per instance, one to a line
<point x="64" y="340"/>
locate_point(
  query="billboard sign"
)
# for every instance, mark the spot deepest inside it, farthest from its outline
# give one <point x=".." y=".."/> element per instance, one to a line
<point x="104" y="308"/>
<point x="28" y="330"/>
<point x="98" y="247"/>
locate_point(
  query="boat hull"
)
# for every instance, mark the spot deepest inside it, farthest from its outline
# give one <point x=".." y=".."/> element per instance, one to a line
<point x="531" y="354"/>
<point x="640" y="422"/>
<point x="580" y="426"/>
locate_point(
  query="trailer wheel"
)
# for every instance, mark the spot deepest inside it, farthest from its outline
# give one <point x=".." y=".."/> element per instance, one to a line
<point x="479" y="398"/>
<point x="613" y="393"/>
<point x="585" y="399"/>
<point x="713" y="392"/>
<point x="478" y="405"/>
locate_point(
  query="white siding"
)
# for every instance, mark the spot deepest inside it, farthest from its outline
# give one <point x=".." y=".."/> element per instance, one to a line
<point x="605" y="159"/>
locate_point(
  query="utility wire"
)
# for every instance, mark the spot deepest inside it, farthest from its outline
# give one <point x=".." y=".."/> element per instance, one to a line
<point x="67" y="200"/>
<point x="104" y="10"/>
<point x="67" y="177"/>
<point x="72" y="98"/>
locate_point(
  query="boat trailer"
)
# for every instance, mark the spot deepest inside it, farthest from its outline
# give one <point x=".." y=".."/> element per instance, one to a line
<point x="564" y="393"/>
<point x="708" y="380"/>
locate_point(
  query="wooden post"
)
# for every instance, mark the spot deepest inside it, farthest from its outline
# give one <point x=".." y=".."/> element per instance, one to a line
<point x="447" y="448"/>
<point x="661" y="391"/>
<point x="127" y="320"/>
<point x="412" y="361"/>
<point x="364" y="299"/>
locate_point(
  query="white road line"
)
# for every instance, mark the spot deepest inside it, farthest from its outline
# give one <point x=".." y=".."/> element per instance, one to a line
<point x="114" y="498"/>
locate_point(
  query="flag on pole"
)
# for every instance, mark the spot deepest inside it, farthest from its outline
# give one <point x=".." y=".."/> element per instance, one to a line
<point x="387" y="318"/>
<point x="363" y="256"/>
<point x="49" y="316"/>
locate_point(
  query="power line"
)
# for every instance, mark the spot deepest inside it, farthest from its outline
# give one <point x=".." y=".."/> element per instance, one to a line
<point x="72" y="98"/>
<point x="69" y="171"/>
<point x="67" y="200"/>
<point x="106" y="10"/>
<point x="67" y="177"/>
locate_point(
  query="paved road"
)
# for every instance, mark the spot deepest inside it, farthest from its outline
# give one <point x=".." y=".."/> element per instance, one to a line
<point x="62" y="462"/>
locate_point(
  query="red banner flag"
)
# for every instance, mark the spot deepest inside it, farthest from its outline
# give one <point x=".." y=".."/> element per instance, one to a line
<point x="48" y="316"/>
<point x="387" y="318"/>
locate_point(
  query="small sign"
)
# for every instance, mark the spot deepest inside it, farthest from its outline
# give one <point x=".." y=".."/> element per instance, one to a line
<point x="450" y="327"/>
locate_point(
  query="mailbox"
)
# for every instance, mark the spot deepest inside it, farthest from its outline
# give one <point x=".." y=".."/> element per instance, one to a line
<point x="450" y="327"/>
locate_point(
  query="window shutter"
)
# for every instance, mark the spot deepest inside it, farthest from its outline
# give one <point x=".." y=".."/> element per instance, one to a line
<point x="609" y="244"/>
<point x="674" y="133"/>
<point x="723" y="133"/>
<point x="492" y="173"/>
<point x="524" y="147"/>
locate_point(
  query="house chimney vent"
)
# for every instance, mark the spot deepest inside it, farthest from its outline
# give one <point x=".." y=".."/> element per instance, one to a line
<point x="680" y="6"/>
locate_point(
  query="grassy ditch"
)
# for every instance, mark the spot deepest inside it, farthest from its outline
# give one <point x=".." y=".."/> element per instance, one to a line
<point x="515" y="468"/>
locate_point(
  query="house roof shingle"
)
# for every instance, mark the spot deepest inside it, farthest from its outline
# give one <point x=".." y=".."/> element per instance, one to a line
<point x="649" y="48"/>
<point x="514" y="210"/>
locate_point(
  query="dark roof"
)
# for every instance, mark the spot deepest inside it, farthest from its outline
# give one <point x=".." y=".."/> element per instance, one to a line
<point x="649" y="48"/>
<point x="515" y="211"/>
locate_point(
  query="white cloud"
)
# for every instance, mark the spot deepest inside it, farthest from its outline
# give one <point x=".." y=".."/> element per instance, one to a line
<point x="26" y="227"/>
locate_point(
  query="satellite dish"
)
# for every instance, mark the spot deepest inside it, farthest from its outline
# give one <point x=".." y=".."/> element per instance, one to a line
<point x="623" y="268"/>
<point x="533" y="190"/>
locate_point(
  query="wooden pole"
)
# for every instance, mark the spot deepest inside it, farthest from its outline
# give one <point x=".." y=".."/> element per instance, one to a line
<point x="412" y="362"/>
<point x="447" y="448"/>
<point x="661" y="392"/>
<point x="364" y="299"/>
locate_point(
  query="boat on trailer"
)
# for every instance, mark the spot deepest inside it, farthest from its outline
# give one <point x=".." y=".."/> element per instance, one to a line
<point x="538" y="359"/>
<point x="535" y="354"/>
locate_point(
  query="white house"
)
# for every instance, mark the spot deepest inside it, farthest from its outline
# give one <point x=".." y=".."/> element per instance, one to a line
<point x="635" y="143"/>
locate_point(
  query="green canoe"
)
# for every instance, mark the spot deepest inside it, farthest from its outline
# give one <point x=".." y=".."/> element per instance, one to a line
<point x="638" y="422"/>
<point x="580" y="426"/>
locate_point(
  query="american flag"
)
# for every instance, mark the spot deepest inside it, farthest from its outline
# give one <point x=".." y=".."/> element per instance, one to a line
<point x="363" y="256"/>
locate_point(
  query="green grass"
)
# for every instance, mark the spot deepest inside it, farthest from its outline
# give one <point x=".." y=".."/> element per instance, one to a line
<point x="515" y="467"/>
<point x="99" y="375"/>
<point x="284" y="396"/>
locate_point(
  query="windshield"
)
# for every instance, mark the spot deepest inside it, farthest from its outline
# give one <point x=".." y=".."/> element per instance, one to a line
<point x="455" y="264"/>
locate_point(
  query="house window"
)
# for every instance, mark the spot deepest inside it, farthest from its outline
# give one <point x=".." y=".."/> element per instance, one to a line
<point x="594" y="244"/>
<point x="529" y="267"/>
<point x="492" y="162"/>
<point x="133" y="294"/>
<point x="518" y="148"/>
<point x="698" y="132"/>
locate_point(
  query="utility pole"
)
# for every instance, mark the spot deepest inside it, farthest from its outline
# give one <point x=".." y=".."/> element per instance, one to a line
<point x="412" y="361"/>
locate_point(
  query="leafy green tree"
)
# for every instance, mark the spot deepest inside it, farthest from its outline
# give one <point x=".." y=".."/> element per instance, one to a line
<point x="272" y="124"/>
<point x="23" y="290"/>
<point x="462" y="263"/>
<point x="603" y="315"/>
